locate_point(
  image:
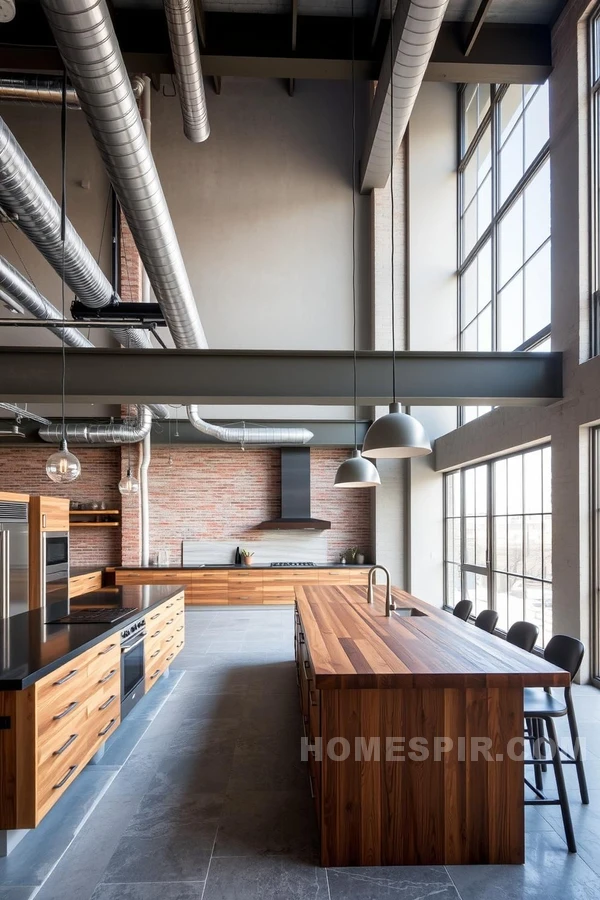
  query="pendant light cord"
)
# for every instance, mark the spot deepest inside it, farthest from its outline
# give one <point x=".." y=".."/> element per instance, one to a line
<point x="392" y="211"/>
<point x="355" y="385"/>
<point x="63" y="234"/>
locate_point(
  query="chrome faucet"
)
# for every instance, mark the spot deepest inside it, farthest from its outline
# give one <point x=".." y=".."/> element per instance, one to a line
<point x="389" y="602"/>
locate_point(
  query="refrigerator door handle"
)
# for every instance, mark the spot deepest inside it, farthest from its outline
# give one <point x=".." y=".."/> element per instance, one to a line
<point x="44" y="572"/>
<point x="5" y="573"/>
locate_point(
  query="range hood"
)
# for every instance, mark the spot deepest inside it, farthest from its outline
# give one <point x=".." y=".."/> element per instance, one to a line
<point x="295" y="494"/>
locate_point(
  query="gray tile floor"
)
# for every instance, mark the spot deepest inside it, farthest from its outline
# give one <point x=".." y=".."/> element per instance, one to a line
<point x="202" y="797"/>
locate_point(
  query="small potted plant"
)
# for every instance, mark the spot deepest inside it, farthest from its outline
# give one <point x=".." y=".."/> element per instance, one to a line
<point x="247" y="557"/>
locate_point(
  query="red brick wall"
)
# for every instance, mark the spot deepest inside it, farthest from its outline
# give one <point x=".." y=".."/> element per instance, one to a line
<point x="130" y="265"/>
<point x="222" y="493"/>
<point x="24" y="470"/>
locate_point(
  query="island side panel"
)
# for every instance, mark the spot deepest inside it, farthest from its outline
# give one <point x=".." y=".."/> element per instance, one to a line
<point x="424" y="811"/>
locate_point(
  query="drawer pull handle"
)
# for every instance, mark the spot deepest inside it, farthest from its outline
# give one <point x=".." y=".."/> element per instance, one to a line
<point x="107" y="703"/>
<point x="180" y="613"/>
<point x="108" y="676"/>
<point x="66" y="678"/>
<point x="155" y="616"/>
<point x="155" y="673"/>
<point x="180" y="628"/>
<point x="68" y="710"/>
<point x="107" y="728"/>
<point x="156" y="634"/>
<point x="108" y="649"/>
<point x="65" y="779"/>
<point x="169" y="639"/>
<point x="170" y="657"/>
<point x="66" y="744"/>
<point x="156" y="652"/>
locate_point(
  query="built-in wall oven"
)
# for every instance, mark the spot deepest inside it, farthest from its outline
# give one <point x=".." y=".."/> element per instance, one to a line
<point x="55" y="568"/>
<point x="133" y="665"/>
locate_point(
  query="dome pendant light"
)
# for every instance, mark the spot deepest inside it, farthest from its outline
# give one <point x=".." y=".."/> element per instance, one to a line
<point x="63" y="466"/>
<point x="355" y="472"/>
<point x="129" y="484"/>
<point x="395" y="435"/>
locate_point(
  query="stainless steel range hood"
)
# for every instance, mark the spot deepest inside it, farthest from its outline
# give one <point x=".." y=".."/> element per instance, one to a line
<point x="295" y="494"/>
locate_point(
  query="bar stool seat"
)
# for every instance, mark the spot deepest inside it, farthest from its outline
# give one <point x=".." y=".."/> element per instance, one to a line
<point x="539" y="703"/>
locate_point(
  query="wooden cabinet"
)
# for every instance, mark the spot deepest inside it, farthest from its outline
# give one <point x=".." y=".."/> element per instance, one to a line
<point x="50" y="513"/>
<point x="56" y="726"/>
<point x="244" y="587"/>
<point x="84" y="584"/>
<point x="165" y="638"/>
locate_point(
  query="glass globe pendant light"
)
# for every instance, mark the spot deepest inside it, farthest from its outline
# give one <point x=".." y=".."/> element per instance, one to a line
<point x="129" y="484"/>
<point x="395" y="435"/>
<point x="63" y="466"/>
<point x="355" y="472"/>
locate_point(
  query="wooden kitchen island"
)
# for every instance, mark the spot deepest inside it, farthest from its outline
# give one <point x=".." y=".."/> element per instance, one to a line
<point x="393" y="710"/>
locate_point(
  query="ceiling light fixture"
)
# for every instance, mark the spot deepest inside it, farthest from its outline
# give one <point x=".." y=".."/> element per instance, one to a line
<point x="63" y="466"/>
<point x="355" y="472"/>
<point x="395" y="435"/>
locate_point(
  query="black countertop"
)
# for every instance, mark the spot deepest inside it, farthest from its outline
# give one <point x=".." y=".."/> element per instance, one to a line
<point x="30" y="649"/>
<point x="233" y="566"/>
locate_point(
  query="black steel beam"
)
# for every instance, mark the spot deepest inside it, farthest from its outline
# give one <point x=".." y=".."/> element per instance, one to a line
<point x="295" y="377"/>
<point x="259" y="46"/>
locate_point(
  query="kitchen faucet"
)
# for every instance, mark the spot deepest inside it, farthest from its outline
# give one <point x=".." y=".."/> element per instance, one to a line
<point x="389" y="602"/>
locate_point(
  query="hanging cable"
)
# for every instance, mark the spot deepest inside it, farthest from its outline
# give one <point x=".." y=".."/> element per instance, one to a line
<point x="392" y="212"/>
<point x="354" y="237"/>
<point x="63" y="230"/>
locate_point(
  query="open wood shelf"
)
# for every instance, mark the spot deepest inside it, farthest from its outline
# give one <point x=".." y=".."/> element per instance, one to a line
<point x="94" y="524"/>
<point x="94" y="512"/>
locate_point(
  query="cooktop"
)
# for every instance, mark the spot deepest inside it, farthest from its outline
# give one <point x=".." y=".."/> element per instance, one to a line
<point x="101" y="615"/>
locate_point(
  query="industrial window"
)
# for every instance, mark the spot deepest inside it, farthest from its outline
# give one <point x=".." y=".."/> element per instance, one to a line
<point x="504" y="220"/>
<point x="498" y="538"/>
<point x="595" y="181"/>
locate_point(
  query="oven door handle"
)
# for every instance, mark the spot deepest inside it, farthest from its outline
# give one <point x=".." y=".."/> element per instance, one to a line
<point x="125" y="648"/>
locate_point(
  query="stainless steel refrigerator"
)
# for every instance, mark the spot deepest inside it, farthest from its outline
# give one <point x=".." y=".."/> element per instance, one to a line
<point x="14" y="559"/>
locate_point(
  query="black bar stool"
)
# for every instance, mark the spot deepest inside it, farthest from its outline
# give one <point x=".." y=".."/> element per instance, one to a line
<point x="462" y="610"/>
<point x="487" y="620"/>
<point x="523" y="635"/>
<point x="542" y="707"/>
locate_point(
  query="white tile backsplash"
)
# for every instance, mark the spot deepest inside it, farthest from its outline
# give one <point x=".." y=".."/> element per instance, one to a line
<point x="275" y="546"/>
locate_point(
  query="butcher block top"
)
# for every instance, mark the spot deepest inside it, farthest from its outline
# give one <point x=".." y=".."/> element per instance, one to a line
<point x="352" y="644"/>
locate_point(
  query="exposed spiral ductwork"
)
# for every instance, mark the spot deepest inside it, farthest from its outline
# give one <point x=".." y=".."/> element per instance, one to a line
<point x="183" y="35"/>
<point x="28" y="297"/>
<point x="416" y="25"/>
<point x="26" y="198"/>
<point x="253" y="435"/>
<point x="119" y="433"/>
<point x="85" y="36"/>
<point x="44" y="90"/>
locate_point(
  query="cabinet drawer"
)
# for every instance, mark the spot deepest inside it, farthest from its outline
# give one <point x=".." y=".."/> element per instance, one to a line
<point x="59" y="772"/>
<point x="84" y="584"/>
<point x="154" y="671"/>
<point x="56" y="742"/>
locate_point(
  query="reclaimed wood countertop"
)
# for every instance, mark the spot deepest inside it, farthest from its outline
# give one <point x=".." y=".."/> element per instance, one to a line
<point x="353" y="645"/>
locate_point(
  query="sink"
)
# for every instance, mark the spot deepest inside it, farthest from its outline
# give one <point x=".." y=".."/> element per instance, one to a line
<point x="408" y="611"/>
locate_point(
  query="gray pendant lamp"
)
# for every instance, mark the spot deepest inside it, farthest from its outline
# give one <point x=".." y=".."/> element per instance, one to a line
<point x="395" y="435"/>
<point x="355" y="472"/>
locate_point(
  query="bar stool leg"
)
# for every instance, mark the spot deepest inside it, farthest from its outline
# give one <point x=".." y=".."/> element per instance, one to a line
<point x="583" y="789"/>
<point x="536" y="752"/>
<point x="561" y="786"/>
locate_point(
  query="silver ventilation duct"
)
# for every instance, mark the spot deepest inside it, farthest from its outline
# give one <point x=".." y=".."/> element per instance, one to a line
<point x="120" y="433"/>
<point x="85" y="36"/>
<point x="245" y="435"/>
<point x="20" y="289"/>
<point x="45" y="90"/>
<point x="416" y="25"/>
<point x="86" y="39"/>
<point x="26" y="198"/>
<point x="183" y="35"/>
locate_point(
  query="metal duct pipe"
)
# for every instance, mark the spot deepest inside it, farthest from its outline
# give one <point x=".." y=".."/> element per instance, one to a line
<point x="26" y="295"/>
<point x="46" y="90"/>
<point x="144" y="495"/>
<point x="81" y="433"/>
<point x="244" y="435"/>
<point x="26" y="198"/>
<point x="416" y="25"/>
<point x="183" y="36"/>
<point x="86" y="39"/>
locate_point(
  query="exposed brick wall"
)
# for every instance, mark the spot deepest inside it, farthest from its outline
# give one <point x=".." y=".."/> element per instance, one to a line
<point x="130" y="264"/>
<point x="212" y="493"/>
<point x="24" y="470"/>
